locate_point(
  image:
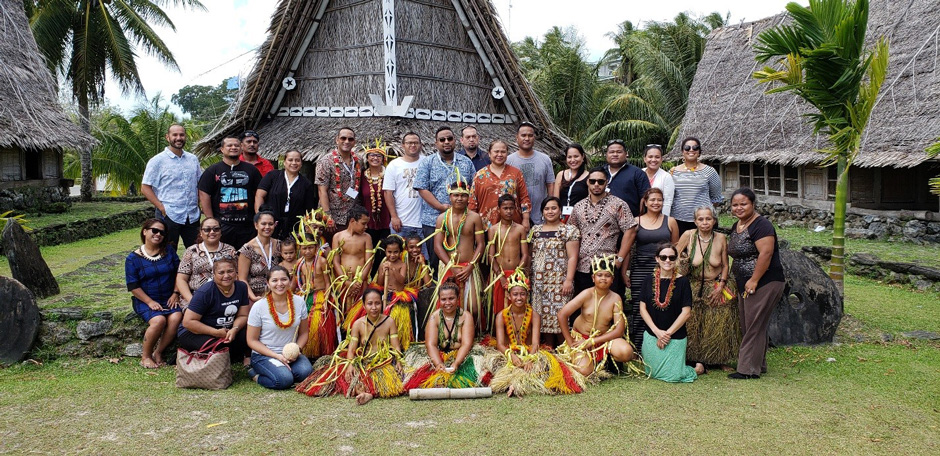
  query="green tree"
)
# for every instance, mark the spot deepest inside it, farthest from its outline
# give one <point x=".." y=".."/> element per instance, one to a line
<point x="126" y="144"/>
<point x="85" y="40"/>
<point x="821" y="57"/>
<point x="933" y="151"/>
<point x="561" y="76"/>
<point x="205" y="104"/>
<point x="620" y="55"/>
<point x="664" y="57"/>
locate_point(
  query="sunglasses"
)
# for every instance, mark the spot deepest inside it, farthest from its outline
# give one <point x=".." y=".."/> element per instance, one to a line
<point x="157" y="231"/>
<point x="347" y="138"/>
<point x="212" y="229"/>
<point x="597" y="181"/>
<point x="617" y="141"/>
<point x="658" y="146"/>
<point x="446" y="139"/>
<point x="667" y="257"/>
<point x="688" y="148"/>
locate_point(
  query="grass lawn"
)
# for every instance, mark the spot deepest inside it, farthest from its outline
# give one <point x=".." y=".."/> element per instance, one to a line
<point x="84" y="211"/>
<point x="867" y="397"/>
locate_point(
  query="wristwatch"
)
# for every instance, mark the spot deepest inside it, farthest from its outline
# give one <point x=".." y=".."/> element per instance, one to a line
<point x="619" y="260"/>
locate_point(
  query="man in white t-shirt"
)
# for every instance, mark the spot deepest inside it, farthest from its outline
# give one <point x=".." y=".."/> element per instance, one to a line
<point x="404" y="202"/>
<point x="536" y="167"/>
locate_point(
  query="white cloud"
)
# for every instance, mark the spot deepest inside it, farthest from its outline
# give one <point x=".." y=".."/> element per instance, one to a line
<point x="208" y="46"/>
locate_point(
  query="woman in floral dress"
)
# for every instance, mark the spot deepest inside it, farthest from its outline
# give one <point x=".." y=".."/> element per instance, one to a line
<point x="554" y="261"/>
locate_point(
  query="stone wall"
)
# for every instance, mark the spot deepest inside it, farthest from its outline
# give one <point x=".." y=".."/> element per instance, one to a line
<point x="52" y="200"/>
<point x="917" y="227"/>
<point x="73" y="331"/>
<point x="921" y="277"/>
<point x="63" y="233"/>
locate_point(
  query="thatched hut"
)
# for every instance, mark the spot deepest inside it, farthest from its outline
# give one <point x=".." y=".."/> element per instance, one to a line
<point x="383" y="67"/>
<point x="761" y="141"/>
<point x="34" y="129"/>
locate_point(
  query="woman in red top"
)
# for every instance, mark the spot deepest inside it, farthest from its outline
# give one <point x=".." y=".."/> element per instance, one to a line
<point x="370" y="191"/>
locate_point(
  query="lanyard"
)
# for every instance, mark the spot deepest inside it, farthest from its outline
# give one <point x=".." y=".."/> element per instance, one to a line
<point x="266" y="255"/>
<point x="289" y="186"/>
<point x="208" y="255"/>
<point x="570" y="188"/>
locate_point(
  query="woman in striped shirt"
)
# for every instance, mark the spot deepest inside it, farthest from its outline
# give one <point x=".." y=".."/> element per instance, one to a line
<point x="696" y="184"/>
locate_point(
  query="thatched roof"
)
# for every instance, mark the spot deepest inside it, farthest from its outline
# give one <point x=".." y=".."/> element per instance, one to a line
<point x="30" y="115"/>
<point x="449" y="55"/>
<point x="736" y="121"/>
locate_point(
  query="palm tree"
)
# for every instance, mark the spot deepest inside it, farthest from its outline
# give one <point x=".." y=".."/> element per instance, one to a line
<point x="84" y="40"/>
<point x="562" y="77"/>
<point x="664" y="57"/>
<point x="125" y="145"/>
<point x="822" y="59"/>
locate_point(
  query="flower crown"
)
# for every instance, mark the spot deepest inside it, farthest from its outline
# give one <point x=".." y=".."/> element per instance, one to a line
<point x="311" y="228"/>
<point x="603" y="263"/>
<point x="518" y="279"/>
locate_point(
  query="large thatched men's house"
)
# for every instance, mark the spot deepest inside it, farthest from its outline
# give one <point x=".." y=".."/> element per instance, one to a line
<point x="761" y="141"/>
<point x="33" y="127"/>
<point x="383" y="67"/>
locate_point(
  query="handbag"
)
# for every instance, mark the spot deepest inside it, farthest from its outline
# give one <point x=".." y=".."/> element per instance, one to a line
<point x="209" y="367"/>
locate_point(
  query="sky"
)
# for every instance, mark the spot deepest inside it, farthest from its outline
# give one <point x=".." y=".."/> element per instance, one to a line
<point x="217" y="44"/>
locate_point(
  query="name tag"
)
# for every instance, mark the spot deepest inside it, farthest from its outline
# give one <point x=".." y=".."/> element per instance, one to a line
<point x="352" y="193"/>
<point x="567" y="210"/>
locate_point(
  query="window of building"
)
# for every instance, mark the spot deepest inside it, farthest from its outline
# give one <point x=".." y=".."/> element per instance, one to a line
<point x="33" y="165"/>
<point x="773" y="180"/>
<point x="760" y="179"/>
<point x="744" y="174"/>
<point x="833" y="178"/>
<point x="791" y="181"/>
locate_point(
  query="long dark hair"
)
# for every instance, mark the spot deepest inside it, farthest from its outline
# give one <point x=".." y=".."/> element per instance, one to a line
<point x="149" y="223"/>
<point x="584" y="157"/>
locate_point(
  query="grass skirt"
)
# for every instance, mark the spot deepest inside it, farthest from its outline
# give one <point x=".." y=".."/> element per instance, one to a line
<point x="379" y="374"/>
<point x="667" y="364"/>
<point x="399" y="310"/>
<point x="714" y="332"/>
<point x="322" y="338"/>
<point x="548" y="374"/>
<point x="469" y="374"/>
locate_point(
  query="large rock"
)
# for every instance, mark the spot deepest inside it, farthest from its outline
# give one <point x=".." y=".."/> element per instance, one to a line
<point x="812" y="310"/>
<point x="19" y="320"/>
<point x="88" y="329"/>
<point x="26" y="262"/>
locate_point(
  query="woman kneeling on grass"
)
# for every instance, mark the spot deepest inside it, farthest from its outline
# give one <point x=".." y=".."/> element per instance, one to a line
<point x="665" y="305"/>
<point x="272" y="326"/>
<point x="150" y="271"/>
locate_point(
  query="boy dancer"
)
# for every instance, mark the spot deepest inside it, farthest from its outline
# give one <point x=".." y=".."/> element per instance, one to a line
<point x="311" y="280"/>
<point x="352" y="260"/>
<point x="400" y="297"/>
<point x="508" y="250"/>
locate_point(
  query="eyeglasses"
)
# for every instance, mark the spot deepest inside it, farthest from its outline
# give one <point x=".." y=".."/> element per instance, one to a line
<point x="446" y="139"/>
<point x="688" y="148"/>
<point x="157" y="231"/>
<point x="597" y="181"/>
<point x="668" y="257"/>
<point x="411" y="143"/>
<point x="617" y="141"/>
<point x="212" y="229"/>
<point x="347" y="138"/>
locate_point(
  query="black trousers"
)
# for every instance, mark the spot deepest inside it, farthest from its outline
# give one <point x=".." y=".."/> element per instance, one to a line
<point x="238" y="235"/>
<point x="188" y="231"/>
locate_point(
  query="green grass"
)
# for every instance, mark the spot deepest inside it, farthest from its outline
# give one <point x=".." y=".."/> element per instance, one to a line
<point x="83" y="211"/>
<point x="891" y="308"/>
<point x="870" y="398"/>
<point x="66" y="258"/>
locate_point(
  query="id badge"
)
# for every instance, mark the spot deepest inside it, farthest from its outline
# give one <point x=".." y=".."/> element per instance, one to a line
<point x="352" y="193"/>
<point x="567" y="210"/>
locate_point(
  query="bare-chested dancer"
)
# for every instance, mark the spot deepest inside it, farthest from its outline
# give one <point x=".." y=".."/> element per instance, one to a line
<point x="459" y="244"/>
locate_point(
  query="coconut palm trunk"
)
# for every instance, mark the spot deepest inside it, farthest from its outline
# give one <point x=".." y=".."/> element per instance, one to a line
<point x="88" y="180"/>
<point x="837" y="262"/>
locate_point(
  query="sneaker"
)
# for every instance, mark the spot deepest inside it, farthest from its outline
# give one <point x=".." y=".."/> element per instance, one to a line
<point x="740" y="376"/>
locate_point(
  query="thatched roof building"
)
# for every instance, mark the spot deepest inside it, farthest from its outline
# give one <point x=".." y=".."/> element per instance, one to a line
<point x="383" y="67"/>
<point x="761" y="140"/>
<point x="33" y="127"/>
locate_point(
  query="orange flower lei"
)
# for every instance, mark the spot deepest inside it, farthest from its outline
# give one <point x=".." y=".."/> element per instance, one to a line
<point x="277" y="320"/>
<point x="514" y="341"/>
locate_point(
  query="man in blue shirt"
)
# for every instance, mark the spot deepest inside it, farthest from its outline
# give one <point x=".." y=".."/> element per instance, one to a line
<point x="470" y="140"/>
<point x="435" y="174"/>
<point x="169" y="183"/>
<point x="626" y="181"/>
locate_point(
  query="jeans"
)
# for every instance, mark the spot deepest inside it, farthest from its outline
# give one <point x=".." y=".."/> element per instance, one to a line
<point x="413" y="231"/>
<point x="188" y="231"/>
<point x="273" y="374"/>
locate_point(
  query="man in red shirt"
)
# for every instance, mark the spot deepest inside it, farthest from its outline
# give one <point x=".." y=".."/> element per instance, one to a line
<point x="250" y="142"/>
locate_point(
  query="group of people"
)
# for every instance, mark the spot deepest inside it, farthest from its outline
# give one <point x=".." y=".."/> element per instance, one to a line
<point x="530" y="279"/>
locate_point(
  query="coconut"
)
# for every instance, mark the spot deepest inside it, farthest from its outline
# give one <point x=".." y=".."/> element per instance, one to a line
<point x="291" y="351"/>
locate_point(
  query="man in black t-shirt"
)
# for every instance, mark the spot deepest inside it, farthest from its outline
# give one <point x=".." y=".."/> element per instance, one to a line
<point x="227" y="192"/>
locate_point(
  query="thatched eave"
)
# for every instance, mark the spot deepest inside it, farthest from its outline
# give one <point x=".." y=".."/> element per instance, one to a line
<point x="30" y="116"/>
<point x="737" y="122"/>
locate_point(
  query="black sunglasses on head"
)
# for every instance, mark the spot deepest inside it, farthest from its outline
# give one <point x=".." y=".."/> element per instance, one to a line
<point x="617" y="141"/>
